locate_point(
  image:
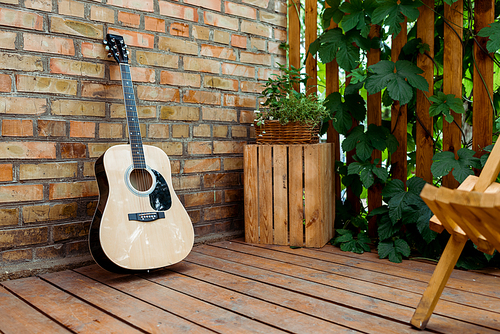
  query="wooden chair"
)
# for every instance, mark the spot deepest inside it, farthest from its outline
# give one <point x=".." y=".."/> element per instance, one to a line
<point x="469" y="212"/>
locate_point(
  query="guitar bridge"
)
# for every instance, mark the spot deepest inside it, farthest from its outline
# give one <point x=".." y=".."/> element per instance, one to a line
<point x="146" y="216"/>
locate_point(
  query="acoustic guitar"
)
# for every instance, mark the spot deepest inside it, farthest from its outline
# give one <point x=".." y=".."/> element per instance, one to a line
<point x="139" y="223"/>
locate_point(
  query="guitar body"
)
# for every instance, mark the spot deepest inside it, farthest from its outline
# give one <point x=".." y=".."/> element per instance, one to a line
<point x="138" y="227"/>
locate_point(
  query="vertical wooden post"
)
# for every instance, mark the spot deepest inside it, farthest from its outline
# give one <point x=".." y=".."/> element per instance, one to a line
<point x="294" y="35"/>
<point x="374" y="116"/>
<point x="251" y="196"/>
<point x="482" y="119"/>
<point x="399" y="116"/>
<point x="311" y="17"/>
<point x="452" y="79"/>
<point x="425" y="149"/>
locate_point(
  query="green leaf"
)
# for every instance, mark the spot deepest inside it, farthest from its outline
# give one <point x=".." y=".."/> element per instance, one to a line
<point x="345" y="237"/>
<point x="386" y="229"/>
<point x="442" y="104"/>
<point x="415" y="185"/>
<point x="411" y="73"/>
<point x="387" y="249"/>
<point x="342" y="121"/>
<point x="352" y="139"/>
<point x="381" y="173"/>
<point x="347" y="55"/>
<point x="377" y="136"/>
<point x="354" y="182"/>
<point x="392" y="143"/>
<point x="364" y="148"/>
<point x="354" y="168"/>
<point x="393" y="14"/>
<point x="402" y="247"/>
<point x="392" y="188"/>
<point x="381" y="210"/>
<point x="367" y="177"/>
<point x="493" y="32"/>
<point x="443" y="163"/>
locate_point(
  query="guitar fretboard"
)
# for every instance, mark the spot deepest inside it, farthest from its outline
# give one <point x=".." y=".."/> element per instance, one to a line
<point x="134" y="131"/>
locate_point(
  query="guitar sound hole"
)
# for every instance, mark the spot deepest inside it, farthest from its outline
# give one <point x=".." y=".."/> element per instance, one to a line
<point x="141" y="179"/>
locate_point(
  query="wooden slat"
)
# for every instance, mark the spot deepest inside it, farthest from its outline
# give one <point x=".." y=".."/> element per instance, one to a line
<point x="265" y="194"/>
<point x="280" y="194"/>
<point x="17" y="317"/>
<point x="140" y="314"/>
<point x="452" y="79"/>
<point x="490" y="170"/>
<point x="312" y="196"/>
<point x="399" y="116"/>
<point x="311" y="17"/>
<point x="294" y="34"/>
<point x="192" y="309"/>
<point x="296" y="208"/>
<point x="480" y="295"/>
<point x="251" y="200"/>
<point x="482" y="118"/>
<point x="336" y="285"/>
<point x="237" y="299"/>
<point x="66" y="309"/>
<point x="424" y="130"/>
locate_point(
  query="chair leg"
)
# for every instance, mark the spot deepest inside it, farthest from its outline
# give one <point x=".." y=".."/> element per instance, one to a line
<point x="437" y="283"/>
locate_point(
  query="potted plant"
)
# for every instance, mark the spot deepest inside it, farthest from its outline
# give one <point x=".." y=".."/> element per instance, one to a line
<point x="288" y="116"/>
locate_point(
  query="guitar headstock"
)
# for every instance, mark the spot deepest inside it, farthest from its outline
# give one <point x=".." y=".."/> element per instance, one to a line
<point x="117" y="48"/>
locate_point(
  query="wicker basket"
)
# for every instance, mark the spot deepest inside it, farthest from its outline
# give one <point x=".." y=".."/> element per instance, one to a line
<point x="272" y="132"/>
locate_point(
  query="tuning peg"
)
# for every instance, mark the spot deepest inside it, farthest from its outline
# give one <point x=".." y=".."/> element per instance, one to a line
<point x="128" y="52"/>
<point x="109" y="55"/>
<point x="105" y="42"/>
<point x="107" y="47"/>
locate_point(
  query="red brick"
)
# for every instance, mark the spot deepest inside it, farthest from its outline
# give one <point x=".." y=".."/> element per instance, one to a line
<point x="78" y="108"/>
<point x="201" y="165"/>
<point x="74" y="67"/>
<point x="179" y="29"/>
<point x="265" y="73"/>
<point x="274" y="47"/>
<point x="49" y="44"/>
<point x="176" y="45"/>
<point x="210" y="4"/>
<point x="255" y="28"/>
<point x="94" y="50"/>
<point x="22" y="105"/>
<point x="221" y="131"/>
<point x="70" y="231"/>
<point x="81" y="129"/>
<point x="118" y="111"/>
<point x="205" y="97"/>
<point x="73" y="150"/>
<point x="180" y="79"/>
<point x="48" y="170"/>
<point x="21" y="19"/>
<point x="201" y="33"/>
<point x="178" y="11"/>
<point x="239" y="41"/>
<point x="6" y="172"/>
<point x="129" y="19"/>
<point x="221" y="37"/>
<point x="219" y="114"/>
<point x="13" y="61"/>
<point x="5" y="83"/>
<point x="139" y="74"/>
<point x="153" y="93"/>
<point x="18" y="255"/>
<point x="222" y="180"/>
<point x="17" y="128"/>
<point x="110" y="130"/>
<point x="23" y="237"/>
<point x="233" y="163"/>
<point x="48" y="128"/>
<point x="201" y="65"/>
<point x="199" y="147"/>
<point x="203" y="198"/>
<point x="228" y="147"/>
<point x="158" y="131"/>
<point x="234" y="195"/>
<point x="246" y="116"/>
<point x="252" y="87"/>
<point x="43" y="5"/>
<point x="133" y="38"/>
<point x="217" y="52"/>
<point x="77" y="28"/>
<point x="280" y="34"/>
<point x="240" y="10"/>
<point x="220" y="83"/>
<point x="180" y="130"/>
<point x="8" y="40"/>
<point x="143" y="5"/>
<point x="154" y="24"/>
<point x="27" y="83"/>
<point x="258" y="3"/>
<point x="21" y="193"/>
<point x="102" y="14"/>
<point x="221" y="212"/>
<point x="9" y="217"/>
<point x="73" y="190"/>
<point x="180" y="113"/>
<point x="71" y="8"/>
<point x="220" y="21"/>
<point x="255" y="58"/>
<point x="202" y="130"/>
<point x="27" y="150"/>
<point x="238" y="70"/>
<point x="258" y="43"/>
<point x="157" y="59"/>
<point x="272" y="18"/>
<point x="280" y="7"/>
<point x="102" y="91"/>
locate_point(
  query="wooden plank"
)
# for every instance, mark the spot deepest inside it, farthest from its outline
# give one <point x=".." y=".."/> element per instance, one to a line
<point x="210" y="285"/>
<point x="313" y="227"/>
<point x="265" y="194"/>
<point x="272" y="283"/>
<point x="452" y="79"/>
<point x="374" y="116"/>
<point x="66" y="309"/>
<point x="311" y="17"/>
<point x="399" y="116"/>
<point x="134" y="311"/>
<point x="334" y="287"/>
<point x="17" y="317"/>
<point x="280" y="194"/>
<point x="192" y="309"/>
<point x="437" y="283"/>
<point x="482" y="118"/>
<point x="294" y="35"/>
<point x="295" y="189"/>
<point x="251" y="201"/>
<point x="384" y="279"/>
<point x="425" y="126"/>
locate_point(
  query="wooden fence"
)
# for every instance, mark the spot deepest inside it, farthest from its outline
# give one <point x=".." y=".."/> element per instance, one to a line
<point x="452" y="84"/>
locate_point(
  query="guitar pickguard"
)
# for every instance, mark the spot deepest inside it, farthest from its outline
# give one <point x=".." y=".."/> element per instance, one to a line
<point x="160" y="198"/>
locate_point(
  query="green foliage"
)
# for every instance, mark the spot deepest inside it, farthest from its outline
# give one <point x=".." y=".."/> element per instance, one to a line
<point x="442" y="104"/>
<point x="493" y="32"/>
<point x="342" y="112"/>
<point x="349" y="243"/>
<point x="445" y="162"/>
<point x="392" y="13"/>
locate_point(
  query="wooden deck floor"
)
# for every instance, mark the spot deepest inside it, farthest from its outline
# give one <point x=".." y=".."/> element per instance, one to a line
<point x="232" y="287"/>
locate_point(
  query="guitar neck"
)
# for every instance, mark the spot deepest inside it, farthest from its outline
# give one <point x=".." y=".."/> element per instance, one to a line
<point x="134" y="131"/>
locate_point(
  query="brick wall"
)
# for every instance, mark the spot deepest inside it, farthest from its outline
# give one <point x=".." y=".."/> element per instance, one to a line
<point x="196" y="66"/>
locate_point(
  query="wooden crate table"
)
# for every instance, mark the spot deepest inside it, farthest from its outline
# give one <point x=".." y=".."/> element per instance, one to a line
<point x="289" y="194"/>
